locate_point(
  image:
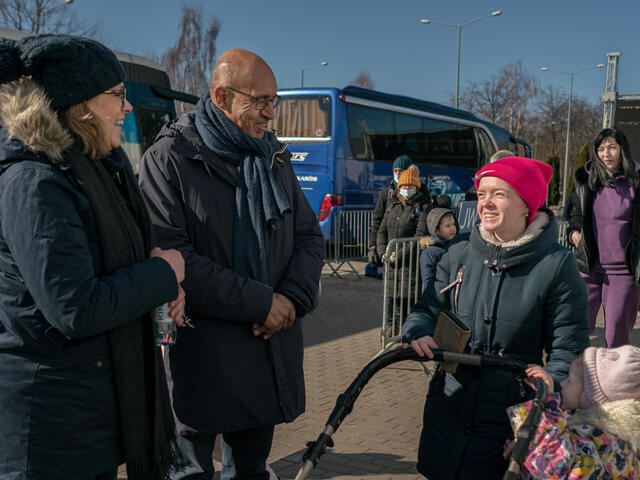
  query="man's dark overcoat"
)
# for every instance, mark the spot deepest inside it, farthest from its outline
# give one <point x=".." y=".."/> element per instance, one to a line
<point x="224" y="378"/>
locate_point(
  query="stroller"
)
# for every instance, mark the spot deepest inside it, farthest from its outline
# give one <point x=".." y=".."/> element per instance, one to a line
<point x="346" y="400"/>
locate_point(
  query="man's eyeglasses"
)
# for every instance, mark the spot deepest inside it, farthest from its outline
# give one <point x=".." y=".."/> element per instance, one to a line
<point x="118" y="93"/>
<point x="260" y="102"/>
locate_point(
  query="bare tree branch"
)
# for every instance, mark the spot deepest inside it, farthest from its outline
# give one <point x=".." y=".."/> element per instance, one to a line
<point x="513" y="99"/>
<point x="190" y="60"/>
<point x="39" y="16"/>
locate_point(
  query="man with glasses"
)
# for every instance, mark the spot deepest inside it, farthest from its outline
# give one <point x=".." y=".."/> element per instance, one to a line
<point x="221" y="189"/>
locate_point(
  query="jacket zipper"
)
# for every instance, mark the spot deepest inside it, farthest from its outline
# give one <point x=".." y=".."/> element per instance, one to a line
<point x="284" y="147"/>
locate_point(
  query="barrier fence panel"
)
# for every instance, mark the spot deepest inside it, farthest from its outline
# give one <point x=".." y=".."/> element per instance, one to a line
<point x="402" y="286"/>
<point x="562" y="233"/>
<point x="351" y="229"/>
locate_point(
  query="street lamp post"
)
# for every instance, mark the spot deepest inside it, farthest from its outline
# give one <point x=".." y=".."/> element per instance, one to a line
<point x="427" y="21"/>
<point x="44" y="13"/>
<point x="566" y="151"/>
<point x="322" y="64"/>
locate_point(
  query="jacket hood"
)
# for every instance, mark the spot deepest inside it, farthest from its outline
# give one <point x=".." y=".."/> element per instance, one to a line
<point x="620" y="418"/>
<point x="582" y="175"/>
<point x="538" y="238"/>
<point x="27" y="116"/>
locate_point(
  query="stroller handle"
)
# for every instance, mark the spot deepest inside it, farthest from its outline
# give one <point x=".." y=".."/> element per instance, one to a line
<point x="346" y="400"/>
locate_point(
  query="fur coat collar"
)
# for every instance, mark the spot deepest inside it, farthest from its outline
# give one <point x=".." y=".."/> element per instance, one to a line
<point x="534" y="229"/>
<point x="621" y="417"/>
<point x="26" y="114"/>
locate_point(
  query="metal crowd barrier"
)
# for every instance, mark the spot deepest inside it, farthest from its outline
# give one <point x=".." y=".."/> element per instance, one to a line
<point x="402" y="287"/>
<point x="350" y="240"/>
<point x="403" y="283"/>
<point x="562" y="233"/>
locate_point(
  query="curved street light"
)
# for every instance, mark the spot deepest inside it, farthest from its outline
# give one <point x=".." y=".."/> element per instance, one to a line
<point x="321" y="64"/>
<point x="51" y="9"/>
<point x="566" y="151"/>
<point x="427" y="21"/>
<point x="41" y="15"/>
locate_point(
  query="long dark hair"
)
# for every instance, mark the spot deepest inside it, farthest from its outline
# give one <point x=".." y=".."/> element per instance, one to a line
<point x="599" y="175"/>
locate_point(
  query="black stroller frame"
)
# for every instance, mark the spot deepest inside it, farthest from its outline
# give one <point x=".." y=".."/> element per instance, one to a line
<point x="346" y="400"/>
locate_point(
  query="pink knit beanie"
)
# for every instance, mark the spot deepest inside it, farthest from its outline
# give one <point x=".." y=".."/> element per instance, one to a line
<point x="528" y="177"/>
<point x="610" y="374"/>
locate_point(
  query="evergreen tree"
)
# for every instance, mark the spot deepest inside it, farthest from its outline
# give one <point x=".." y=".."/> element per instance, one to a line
<point x="554" y="185"/>
<point x="583" y="158"/>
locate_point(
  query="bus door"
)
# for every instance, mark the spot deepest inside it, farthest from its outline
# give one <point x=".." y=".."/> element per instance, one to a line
<point x="303" y="122"/>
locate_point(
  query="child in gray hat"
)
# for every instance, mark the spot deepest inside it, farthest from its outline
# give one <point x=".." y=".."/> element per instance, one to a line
<point x="443" y="227"/>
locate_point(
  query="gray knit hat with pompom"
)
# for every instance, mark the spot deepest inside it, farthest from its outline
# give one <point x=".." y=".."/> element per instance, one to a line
<point x="69" y="69"/>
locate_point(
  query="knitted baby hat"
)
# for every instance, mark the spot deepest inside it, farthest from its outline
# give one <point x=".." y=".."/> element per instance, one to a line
<point x="610" y="374"/>
<point x="69" y="69"/>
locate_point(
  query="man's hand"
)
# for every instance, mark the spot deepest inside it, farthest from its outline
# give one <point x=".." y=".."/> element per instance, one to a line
<point x="291" y="317"/>
<point x="280" y="317"/>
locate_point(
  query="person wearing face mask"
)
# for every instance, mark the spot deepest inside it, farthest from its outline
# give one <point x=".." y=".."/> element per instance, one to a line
<point x="406" y="216"/>
<point x="604" y="226"/>
<point x="387" y="194"/>
<point x="83" y="384"/>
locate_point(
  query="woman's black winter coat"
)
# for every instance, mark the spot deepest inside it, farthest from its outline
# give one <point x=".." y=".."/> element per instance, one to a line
<point x="58" y="411"/>
<point x="404" y="220"/>
<point x="581" y="219"/>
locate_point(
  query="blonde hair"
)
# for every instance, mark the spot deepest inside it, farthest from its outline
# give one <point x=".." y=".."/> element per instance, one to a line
<point x="89" y="128"/>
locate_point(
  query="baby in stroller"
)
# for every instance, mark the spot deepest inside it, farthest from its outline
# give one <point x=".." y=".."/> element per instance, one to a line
<point x="601" y="438"/>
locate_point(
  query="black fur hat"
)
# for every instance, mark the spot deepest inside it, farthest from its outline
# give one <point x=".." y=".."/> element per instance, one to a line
<point x="69" y="69"/>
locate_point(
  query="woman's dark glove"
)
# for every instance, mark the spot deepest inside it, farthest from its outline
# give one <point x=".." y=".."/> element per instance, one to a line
<point x="372" y="257"/>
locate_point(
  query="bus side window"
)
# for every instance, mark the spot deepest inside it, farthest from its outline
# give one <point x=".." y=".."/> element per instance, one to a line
<point x="377" y="134"/>
<point x="486" y="147"/>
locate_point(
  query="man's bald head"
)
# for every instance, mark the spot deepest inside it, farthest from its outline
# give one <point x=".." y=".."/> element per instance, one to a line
<point x="240" y="69"/>
<point x="244" y="88"/>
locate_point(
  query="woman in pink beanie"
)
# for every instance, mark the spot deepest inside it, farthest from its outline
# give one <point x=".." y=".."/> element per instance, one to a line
<point x="602" y="438"/>
<point x="605" y="229"/>
<point x="521" y="295"/>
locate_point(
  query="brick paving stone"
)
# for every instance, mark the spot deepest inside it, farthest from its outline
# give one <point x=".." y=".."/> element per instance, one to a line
<point x="379" y="439"/>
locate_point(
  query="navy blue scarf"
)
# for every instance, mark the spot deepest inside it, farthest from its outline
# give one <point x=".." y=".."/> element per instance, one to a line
<point x="260" y="204"/>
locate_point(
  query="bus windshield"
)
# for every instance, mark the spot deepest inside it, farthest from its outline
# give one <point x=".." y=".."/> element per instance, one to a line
<point x="303" y="116"/>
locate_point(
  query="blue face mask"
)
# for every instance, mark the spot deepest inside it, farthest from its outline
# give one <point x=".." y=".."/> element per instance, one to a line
<point x="396" y="178"/>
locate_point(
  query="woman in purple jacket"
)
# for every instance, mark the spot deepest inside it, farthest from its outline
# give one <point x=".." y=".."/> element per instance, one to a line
<point x="605" y="229"/>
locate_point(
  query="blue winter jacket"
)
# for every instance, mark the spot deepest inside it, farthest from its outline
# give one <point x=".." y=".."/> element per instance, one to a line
<point x="429" y="258"/>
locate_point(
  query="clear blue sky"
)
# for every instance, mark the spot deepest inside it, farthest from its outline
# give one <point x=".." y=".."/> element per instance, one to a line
<point x="386" y="38"/>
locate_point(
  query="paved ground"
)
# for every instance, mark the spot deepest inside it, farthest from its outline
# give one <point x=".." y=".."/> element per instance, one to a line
<point x="379" y="439"/>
